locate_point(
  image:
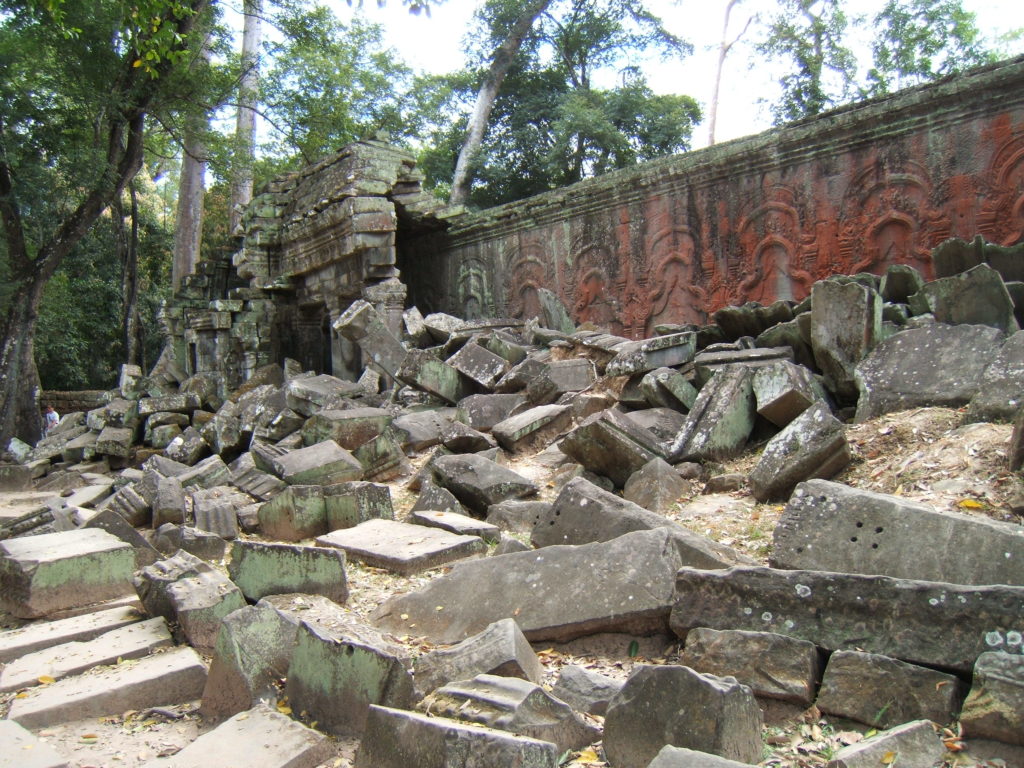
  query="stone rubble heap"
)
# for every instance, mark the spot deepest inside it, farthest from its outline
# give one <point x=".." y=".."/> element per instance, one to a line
<point x="884" y="612"/>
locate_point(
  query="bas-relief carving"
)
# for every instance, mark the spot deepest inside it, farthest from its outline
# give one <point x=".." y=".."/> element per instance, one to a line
<point x="1002" y="217"/>
<point x="530" y="267"/>
<point x="676" y="296"/>
<point x="473" y="288"/>
<point x="770" y="238"/>
<point x="594" y="298"/>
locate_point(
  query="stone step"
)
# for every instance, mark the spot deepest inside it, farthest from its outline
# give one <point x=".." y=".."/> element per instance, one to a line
<point x="129" y="642"/>
<point x="35" y="637"/>
<point x="19" y="748"/>
<point x="158" y="680"/>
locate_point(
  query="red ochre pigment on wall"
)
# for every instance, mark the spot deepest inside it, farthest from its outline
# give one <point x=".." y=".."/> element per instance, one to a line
<point x="757" y="219"/>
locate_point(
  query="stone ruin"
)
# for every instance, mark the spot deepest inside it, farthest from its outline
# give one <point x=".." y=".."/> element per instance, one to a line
<point x="220" y="520"/>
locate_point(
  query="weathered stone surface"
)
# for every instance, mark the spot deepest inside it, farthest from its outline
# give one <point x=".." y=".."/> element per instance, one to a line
<point x="129" y="504"/>
<point x="878" y="614"/>
<point x="478" y="482"/>
<point x="349" y="504"/>
<point x="184" y="403"/>
<point x="169" y="538"/>
<point x="681" y="757"/>
<point x="401" y="547"/>
<point x="200" y="602"/>
<point x="115" y="441"/>
<point x="153" y="581"/>
<point x="158" y="680"/>
<point x="131" y="641"/>
<point x="324" y="463"/>
<point x="39" y="636"/>
<point x="812" y="445"/>
<point x="663" y="423"/>
<point x="397" y="739"/>
<point x="899" y="283"/>
<point x="208" y="473"/>
<point x="883" y="692"/>
<point x="940" y="365"/>
<point x="479" y="365"/>
<point x="517" y="516"/>
<point x="914" y="743"/>
<point x="188" y="448"/>
<point x="832" y="527"/>
<point x="362" y="324"/>
<point x="585" y="690"/>
<point x="568" y="596"/>
<point x="612" y="445"/>
<point x="420" y="430"/>
<point x="709" y="362"/>
<point x="501" y="649"/>
<point x="336" y="674"/>
<point x="297" y="513"/>
<point x="846" y="323"/>
<point x="656" y="352"/>
<point x="260" y="569"/>
<point x="20" y="748"/>
<point x="584" y="513"/>
<point x="435" y="498"/>
<point x="215" y="510"/>
<point x="994" y="708"/>
<point x="246" y="477"/>
<point x="1002" y="386"/>
<point x="460" y="438"/>
<point x="784" y="390"/>
<point x="512" y="704"/>
<point x="675" y="705"/>
<point x="533" y="428"/>
<point x="15" y="477"/>
<point x="111" y="522"/>
<point x="656" y="486"/>
<point x="349" y="428"/>
<point x="40" y="575"/>
<point x="382" y="458"/>
<point x="259" y="737"/>
<point x="974" y="297"/>
<point x="484" y="411"/>
<point x="771" y="665"/>
<point x="720" y="420"/>
<point x="453" y="522"/>
<point x="424" y="371"/>
<point x="308" y="395"/>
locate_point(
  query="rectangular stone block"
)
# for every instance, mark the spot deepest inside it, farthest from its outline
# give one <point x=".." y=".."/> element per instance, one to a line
<point x="658" y="352"/>
<point x="532" y="428"/>
<point x="877" y="614"/>
<point x="154" y="681"/>
<point x="36" y="637"/>
<point x="260" y="569"/>
<point x="324" y="463"/>
<point x="832" y="527"/>
<point x="348" y="504"/>
<point x="41" y="575"/>
<point x="128" y="642"/>
<point x="479" y="365"/>
<point x="348" y="428"/>
<point x="296" y="513"/>
<point x="15" y="477"/>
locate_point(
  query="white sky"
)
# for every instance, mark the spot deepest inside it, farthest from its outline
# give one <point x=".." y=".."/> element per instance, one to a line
<point x="434" y="44"/>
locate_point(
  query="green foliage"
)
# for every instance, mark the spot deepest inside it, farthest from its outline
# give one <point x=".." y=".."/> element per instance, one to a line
<point x="554" y="122"/>
<point x="921" y="40"/>
<point x="808" y="35"/>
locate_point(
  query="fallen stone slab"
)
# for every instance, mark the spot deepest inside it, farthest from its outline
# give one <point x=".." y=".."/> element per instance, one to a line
<point x="1002" y="386"/>
<point x="994" y="708"/>
<point x="877" y="614"/>
<point x="846" y="324"/>
<point x="883" y="692"/>
<point x="259" y="737"/>
<point x="111" y="522"/>
<point x="656" y="486"/>
<point x="784" y="390"/>
<point x="128" y="642"/>
<point x="517" y="516"/>
<point x="812" y="445"/>
<point x="670" y="704"/>
<point x="20" y="748"/>
<point x="584" y="513"/>
<point x="200" y="602"/>
<point x="247" y="478"/>
<point x="324" y="463"/>
<point x="130" y="505"/>
<point x="337" y="673"/>
<point x="657" y="352"/>
<point x="362" y="324"/>
<point x="23" y="641"/>
<point x="310" y="394"/>
<point x="610" y="444"/>
<point x="187" y="448"/>
<point x="299" y="512"/>
<point x="501" y="649"/>
<point x="554" y="594"/>
<point x="169" y="538"/>
<point x="400" y="547"/>
<point x="435" y="498"/>
<point x="484" y="411"/>
<point x="208" y="473"/>
<point x="479" y="365"/>
<point x="349" y="428"/>
<point x="771" y="665"/>
<point x="681" y="757"/>
<point x="478" y="482"/>
<point x="158" y="680"/>
<point x="349" y="504"/>
<point x="532" y="429"/>
<point x="382" y="458"/>
<point x="260" y="569"/>
<point x="585" y="690"/>
<point x="15" y="477"/>
<point x="832" y="527"/>
<point x="512" y="704"/>
<point x="44" y="574"/>
<point x="455" y="523"/>
<point x="398" y="739"/>
<point x="460" y="438"/>
<point x="914" y="743"/>
<point x="422" y="370"/>
<point x="708" y="363"/>
<point x="938" y="365"/>
<point x="153" y="581"/>
<point x="721" y="419"/>
<point x="168" y="502"/>
<point x="667" y="388"/>
<point x="977" y="296"/>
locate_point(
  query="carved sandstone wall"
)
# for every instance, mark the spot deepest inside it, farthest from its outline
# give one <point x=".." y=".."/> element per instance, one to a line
<point x="757" y="219"/>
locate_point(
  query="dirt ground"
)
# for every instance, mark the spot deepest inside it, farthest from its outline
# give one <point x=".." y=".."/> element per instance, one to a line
<point x="924" y="455"/>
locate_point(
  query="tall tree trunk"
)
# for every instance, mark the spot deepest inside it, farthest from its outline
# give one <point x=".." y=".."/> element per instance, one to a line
<point x="245" y="125"/>
<point x="501" y="63"/>
<point x="19" y="385"/>
<point x="130" y="281"/>
<point x="188" y="228"/>
<point x="723" y="51"/>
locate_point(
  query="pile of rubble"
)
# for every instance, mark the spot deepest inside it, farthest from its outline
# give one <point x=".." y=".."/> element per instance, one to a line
<point x="214" y="540"/>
